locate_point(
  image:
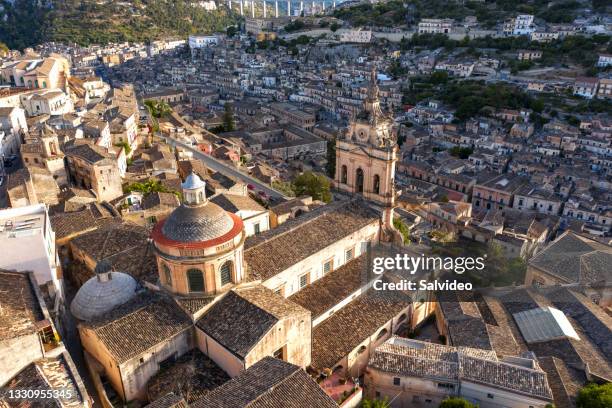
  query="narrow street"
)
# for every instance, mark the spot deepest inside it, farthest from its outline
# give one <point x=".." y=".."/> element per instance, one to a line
<point x="217" y="165"/>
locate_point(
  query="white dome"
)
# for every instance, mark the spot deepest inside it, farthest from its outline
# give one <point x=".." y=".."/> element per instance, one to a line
<point x="101" y="294"/>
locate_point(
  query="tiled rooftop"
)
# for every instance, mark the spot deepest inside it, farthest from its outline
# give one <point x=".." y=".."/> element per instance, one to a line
<point x="243" y="316"/>
<point x="276" y="250"/>
<point x="270" y="383"/>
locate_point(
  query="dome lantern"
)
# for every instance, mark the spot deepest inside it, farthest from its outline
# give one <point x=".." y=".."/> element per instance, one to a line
<point x="194" y="190"/>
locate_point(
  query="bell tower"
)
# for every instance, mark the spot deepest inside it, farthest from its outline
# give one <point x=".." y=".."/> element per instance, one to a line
<point x="367" y="152"/>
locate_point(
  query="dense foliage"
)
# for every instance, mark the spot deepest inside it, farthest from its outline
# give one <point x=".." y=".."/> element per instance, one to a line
<point x="315" y="185"/>
<point x="489" y="14"/>
<point x="595" y="396"/>
<point x="456" y="402"/>
<point x="25" y="23"/>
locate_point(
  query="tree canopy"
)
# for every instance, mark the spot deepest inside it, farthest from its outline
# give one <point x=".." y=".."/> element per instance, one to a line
<point x="595" y="396"/>
<point x="312" y="184"/>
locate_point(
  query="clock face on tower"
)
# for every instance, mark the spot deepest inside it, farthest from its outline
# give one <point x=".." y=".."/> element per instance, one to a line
<point x="362" y="135"/>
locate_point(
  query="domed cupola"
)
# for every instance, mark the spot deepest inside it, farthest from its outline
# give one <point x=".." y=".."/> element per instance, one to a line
<point x="102" y="293"/>
<point x="199" y="245"/>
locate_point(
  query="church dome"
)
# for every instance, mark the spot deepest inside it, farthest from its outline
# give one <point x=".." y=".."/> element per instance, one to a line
<point x="102" y="293"/>
<point x="196" y="224"/>
<point x="197" y="221"/>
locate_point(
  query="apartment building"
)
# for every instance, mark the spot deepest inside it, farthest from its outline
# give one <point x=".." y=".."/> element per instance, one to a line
<point x="435" y="26"/>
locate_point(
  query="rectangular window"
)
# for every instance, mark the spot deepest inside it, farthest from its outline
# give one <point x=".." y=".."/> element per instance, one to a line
<point x="303" y="280"/>
<point x="396" y="381"/>
<point x="328" y="266"/>
<point x="348" y="254"/>
<point x="256" y="228"/>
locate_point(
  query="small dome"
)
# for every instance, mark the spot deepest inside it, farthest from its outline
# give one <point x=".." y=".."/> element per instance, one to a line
<point x="101" y="294"/>
<point x="197" y="224"/>
<point x="193" y="182"/>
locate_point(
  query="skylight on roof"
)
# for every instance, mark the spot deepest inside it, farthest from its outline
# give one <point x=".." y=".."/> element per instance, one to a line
<point x="543" y="324"/>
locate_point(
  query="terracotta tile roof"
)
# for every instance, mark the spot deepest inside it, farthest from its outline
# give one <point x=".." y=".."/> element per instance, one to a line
<point x="161" y="200"/>
<point x="20" y="309"/>
<point x="334" y="287"/>
<point x="592" y="325"/>
<point x="274" y="251"/>
<point x="235" y="203"/>
<point x="338" y="335"/>
<point x="168" y="401"/>
<point x="191" y="376"/>
<point x="243" y="316"/>
<point x="576" y="259"/>
<point x="144" y="322"/>
<point x="564" y="381"/>
<point x="46" y="374"/>
<point x="270" y="383"/>
<point x="422" y="359"/>
<point x="71" y="223"/>
<point x="126" y="246"/>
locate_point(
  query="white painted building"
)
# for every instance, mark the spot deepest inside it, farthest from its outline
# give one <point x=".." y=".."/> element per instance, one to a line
<point x="49" y="102"/>
<point x="202" y="41"/>
<point x="12" y="124"/>
<point x="27" y="243"/>
<point x="605" y="60"/>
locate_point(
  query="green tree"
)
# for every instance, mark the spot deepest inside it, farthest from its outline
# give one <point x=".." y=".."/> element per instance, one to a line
<point x="334" y="27"/>
<point x="330" y="167"/>
<point x="402" y="228"/>
<point x="375" y="403"/>
<point x="284" y="187"/>
<point x="456" y="402"/>
<point x="595" y="396"/>
<point x="312" y="184"/>
<point x="228" y="117"/>
<point x="231" y="31"/>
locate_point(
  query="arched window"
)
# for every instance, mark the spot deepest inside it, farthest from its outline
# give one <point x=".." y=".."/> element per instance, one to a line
<point x="376" y="184"/>
<point x="343" y="175"/>
<point x="44" y="84"/>
<point x="402" y="318"/>
<point x="381" y="334"/>
<point x="359" y="181"/>
<point x="167" y="275"/>
<point x="361" y="350"/>
<point x="226" y="273"/>
<point x="195" y="278"/>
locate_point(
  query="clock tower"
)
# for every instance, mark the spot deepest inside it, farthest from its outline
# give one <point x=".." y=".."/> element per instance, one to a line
<point x="367" y="151"/>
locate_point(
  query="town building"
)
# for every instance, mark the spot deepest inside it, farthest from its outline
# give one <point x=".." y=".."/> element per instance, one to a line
<point x="27" y="243"/>
<point x="93" y="167"/>
<point x="435" y="26"/>
<point x="574" y="259"/>
<point x="32" y="354"/>
<point x="586" y="87"/>
<point x="497" y="192"/>
<point x="417" y="372"/>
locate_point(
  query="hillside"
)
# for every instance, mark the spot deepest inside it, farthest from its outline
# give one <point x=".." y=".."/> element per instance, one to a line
<point x="25" y="23"/>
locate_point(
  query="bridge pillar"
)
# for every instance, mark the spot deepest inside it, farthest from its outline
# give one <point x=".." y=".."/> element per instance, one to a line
<point x="253" y="8"/>
<point x="301" y="7"/>
<point x="289" y="7"/>
<point x="242" y="7"/>
<point x="276" y="8"/>
<point x="323" y="5"/>
<point x="264" y="9"/>
<point x="334" y="4"/>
